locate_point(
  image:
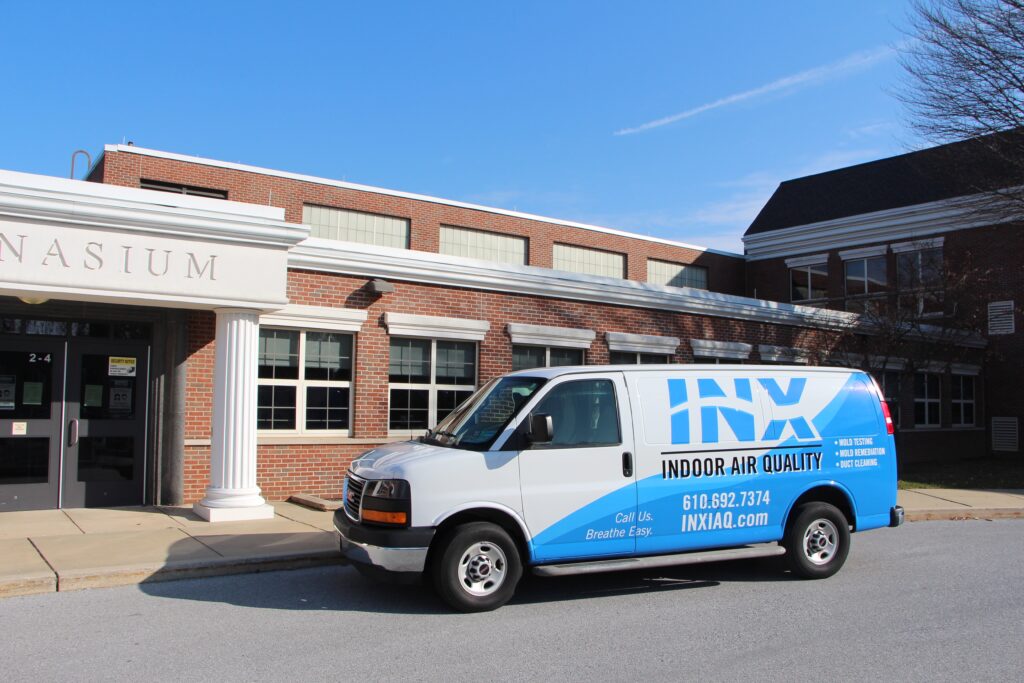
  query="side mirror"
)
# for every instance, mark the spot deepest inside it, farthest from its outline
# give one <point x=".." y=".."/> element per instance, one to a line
<point x="541" y="429"/>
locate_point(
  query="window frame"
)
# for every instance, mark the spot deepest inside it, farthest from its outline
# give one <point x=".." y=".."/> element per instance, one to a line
<point x="521" y="239"/>
<point x="547" y="355"/>
<point x="301" y="384"/>
<point x="806" y="270"/>
<point x="683" y="267"/>
<point x="432" y="387"/>
<point x="624" y="275"/>
<point x="919" y="291"/>
<point x="313" y="226"/>
<point x="928" y="401"/>
<point x="957" y="404"/>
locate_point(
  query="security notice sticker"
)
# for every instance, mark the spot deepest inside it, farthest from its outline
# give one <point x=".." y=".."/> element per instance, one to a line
<point x="121" y="366"/>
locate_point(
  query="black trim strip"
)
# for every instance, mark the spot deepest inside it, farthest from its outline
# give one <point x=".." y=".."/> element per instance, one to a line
<point x="734" y="450"/>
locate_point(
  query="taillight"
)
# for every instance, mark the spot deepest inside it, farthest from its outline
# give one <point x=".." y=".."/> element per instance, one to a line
<point x="889" y="427"/>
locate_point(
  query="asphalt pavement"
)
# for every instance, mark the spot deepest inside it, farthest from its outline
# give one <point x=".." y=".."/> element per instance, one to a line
<point x="928" y="601"/>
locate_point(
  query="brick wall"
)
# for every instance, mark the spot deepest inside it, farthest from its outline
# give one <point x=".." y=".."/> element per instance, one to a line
<point x="293" y="468"/>
<point x="725" y="273"/>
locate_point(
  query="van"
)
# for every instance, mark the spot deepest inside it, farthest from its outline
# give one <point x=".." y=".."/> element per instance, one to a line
<point x="575" y="470"/>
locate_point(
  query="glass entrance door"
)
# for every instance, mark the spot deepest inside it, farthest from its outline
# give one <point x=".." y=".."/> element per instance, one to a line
<point x="105" y="439"/>
<point x="31" y="404"/>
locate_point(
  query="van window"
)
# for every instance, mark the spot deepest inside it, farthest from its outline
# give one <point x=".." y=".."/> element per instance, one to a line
<point x="584" y="413"/>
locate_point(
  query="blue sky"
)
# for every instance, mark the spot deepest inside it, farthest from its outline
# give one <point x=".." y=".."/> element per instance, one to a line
<point x="674" y="119"/>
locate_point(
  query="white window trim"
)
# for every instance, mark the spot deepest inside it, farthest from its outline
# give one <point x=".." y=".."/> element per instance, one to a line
<point x="544" y="335"/>
<point x="433" y="327"/>
<point x="431" y="388"/>
<point x="953" y="402"/>
<point x="708" y="348"/>
<point x="929" y="399"/>
<point x="641" y="343"/>
<point x="783" y="354"/>
<point x="811" y="260"/>
<point x="316" y="318"/>
<point x="863" y="252"/>
<point x="917" y="245"/>
<point x="301" y="384"/>
<point x="965" y="369"/>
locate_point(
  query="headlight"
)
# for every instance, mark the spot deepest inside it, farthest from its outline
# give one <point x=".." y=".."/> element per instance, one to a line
<point x="389" y="489"/>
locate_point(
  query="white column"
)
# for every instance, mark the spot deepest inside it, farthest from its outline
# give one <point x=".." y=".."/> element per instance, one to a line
<point x="233" y="493"/>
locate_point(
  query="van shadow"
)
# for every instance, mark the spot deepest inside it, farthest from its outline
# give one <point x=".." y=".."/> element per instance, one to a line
<point x="342" y="589"/>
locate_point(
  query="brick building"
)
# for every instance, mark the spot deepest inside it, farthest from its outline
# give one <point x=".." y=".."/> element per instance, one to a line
<point x="216" y="333"/>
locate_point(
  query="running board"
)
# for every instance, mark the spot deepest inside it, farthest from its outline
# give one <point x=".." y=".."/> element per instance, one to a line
<point x="627" y="563"/>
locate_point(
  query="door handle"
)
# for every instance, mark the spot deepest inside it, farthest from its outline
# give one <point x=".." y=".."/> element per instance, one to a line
<point x="627" y="464"/>
<point x="73" y="433"/>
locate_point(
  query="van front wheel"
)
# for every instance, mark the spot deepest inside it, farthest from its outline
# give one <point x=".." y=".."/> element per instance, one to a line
<point x="477" y="567"/>
<point x="817" y="541"/>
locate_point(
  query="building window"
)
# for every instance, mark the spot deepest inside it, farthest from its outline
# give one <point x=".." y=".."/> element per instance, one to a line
<point x="304" y="381"/>
<point x="356" y="226"/>
<point x="889" y="382"/>
<point x="588" y="261"/>
<point x="927" y="400"/>
<point x="707" y="360"/>
<point x="484" y="245"/>
<point x="866" y="283"/>
<point x="526" y="357"/>
<point x="178" y="188"/>
<point x="962" y="399"/>
<point x="919" y="276"/>
<point x="428" y="378"/>
<point x="676" y="274"/>
<point x="631" y="358"/>
<point x="808" y="283"/>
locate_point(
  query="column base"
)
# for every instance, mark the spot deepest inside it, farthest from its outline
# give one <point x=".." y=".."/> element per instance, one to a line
<point x="233" y="514"/>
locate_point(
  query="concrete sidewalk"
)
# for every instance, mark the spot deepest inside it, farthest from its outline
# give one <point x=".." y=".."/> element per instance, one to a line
<point x="60" y="550"/>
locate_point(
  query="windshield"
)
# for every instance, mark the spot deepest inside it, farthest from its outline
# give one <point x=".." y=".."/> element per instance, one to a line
<point x="476" y="423"/>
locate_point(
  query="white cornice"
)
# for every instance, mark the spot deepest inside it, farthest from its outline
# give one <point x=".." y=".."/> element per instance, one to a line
<point x="782" y="354"/>
<point x="130" y="149"/>
<point x="902" y="223"/>
<point x="809" y="260"/>
<point x="641" y="343"/>
<point x="316" y="318"/>
<point x="917" y="245"/>
<point x="434" y="327"/>
<point x="863" y="252"/>
<point x="95" y="205"/>
<point x="452" y="271"/>
<point x="708" y="348"/>
<point x="546" y="335"/>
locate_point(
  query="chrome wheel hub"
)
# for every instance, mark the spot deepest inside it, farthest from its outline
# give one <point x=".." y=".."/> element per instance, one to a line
<point x="482" y="568"/>
<point x="821" y="539"/>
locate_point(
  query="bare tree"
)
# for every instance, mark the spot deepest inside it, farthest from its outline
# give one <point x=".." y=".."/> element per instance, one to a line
<point x="964" y="63"/>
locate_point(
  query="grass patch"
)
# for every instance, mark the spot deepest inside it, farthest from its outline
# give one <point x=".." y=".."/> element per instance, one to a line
<point x="974" y="473"/>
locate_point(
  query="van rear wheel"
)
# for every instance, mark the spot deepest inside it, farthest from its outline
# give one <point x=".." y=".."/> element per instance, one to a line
<point x="817" y="541"/>
<point x="476" y="567"/>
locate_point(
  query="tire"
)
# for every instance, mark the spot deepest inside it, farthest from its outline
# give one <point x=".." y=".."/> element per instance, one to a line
<point x="476" y="567"/>
<point x="817" y="541"/>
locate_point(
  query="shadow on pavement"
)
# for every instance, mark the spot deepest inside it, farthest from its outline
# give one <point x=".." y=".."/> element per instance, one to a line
<point x="338" y="588"/>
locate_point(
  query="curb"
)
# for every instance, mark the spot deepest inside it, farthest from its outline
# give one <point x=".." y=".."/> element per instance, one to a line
<point x="961" y="514"/>
<point x="138" y="574"/>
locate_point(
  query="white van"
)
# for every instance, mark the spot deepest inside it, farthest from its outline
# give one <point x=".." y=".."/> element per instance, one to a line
<point x="601" y="468"/>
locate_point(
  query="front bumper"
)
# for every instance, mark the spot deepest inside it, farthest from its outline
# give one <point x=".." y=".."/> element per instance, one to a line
<point x="400" y="551"/>
<point x="896" y="516"/>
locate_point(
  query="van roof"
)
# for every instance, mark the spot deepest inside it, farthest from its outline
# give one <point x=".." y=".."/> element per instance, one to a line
<point x="550" y="373"/>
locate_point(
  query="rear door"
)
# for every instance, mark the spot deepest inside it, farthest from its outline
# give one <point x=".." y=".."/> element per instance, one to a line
<point x="579" y="491"/>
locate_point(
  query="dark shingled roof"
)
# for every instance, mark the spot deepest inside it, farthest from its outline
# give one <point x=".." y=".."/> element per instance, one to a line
<point x="960" y="168"/>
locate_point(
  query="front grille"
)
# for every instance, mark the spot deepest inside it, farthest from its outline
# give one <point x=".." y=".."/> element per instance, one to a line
<point x="353" y="496"/>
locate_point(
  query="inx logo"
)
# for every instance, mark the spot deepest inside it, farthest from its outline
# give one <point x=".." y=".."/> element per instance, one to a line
<point x="720" y="407"/>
